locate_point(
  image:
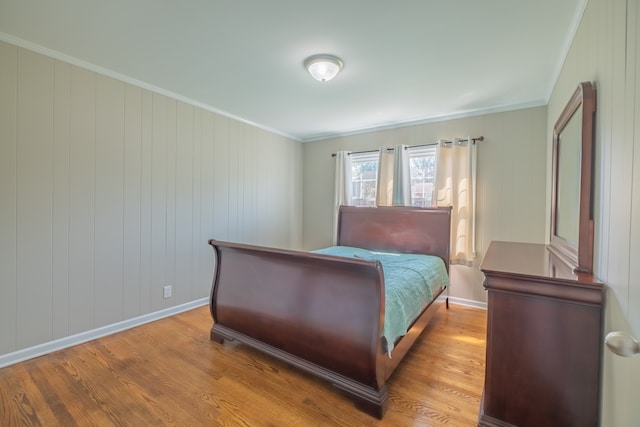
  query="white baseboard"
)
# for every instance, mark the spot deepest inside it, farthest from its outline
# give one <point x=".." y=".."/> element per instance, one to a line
<point x="59" y="344"/>
<point x="468" y="303"/>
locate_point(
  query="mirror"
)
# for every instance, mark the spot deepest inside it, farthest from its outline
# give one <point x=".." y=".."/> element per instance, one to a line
<point x="571" y="237"/>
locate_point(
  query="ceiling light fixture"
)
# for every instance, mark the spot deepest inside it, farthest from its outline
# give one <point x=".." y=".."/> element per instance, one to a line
<point x="323" y="67"/>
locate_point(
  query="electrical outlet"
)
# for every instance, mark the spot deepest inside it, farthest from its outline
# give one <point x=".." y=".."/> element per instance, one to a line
<point x="167" y="291"/>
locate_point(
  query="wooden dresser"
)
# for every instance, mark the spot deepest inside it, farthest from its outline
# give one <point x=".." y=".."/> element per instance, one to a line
<point x="544" y="340"/>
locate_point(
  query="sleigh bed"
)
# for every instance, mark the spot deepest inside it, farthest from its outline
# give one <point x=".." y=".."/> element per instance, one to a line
<point x="323" y="313"/>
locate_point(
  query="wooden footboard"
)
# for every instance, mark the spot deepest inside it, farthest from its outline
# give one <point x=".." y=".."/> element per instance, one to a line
<point x="321" y="313"/>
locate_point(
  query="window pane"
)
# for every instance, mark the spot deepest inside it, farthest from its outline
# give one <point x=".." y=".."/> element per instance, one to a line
<point x="422" y="163"/>
<point x="364" y="178"/>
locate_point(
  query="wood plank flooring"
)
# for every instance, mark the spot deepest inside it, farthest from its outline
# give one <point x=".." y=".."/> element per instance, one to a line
<point x="168" y="373"/>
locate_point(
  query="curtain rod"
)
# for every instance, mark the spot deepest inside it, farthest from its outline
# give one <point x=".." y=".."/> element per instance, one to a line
<point x="444" y="141"/>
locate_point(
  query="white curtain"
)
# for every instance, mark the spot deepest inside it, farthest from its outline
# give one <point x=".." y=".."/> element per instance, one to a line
<point x="401" y="176"/>
<point x="456" y="187"/>
<point x="384" y="189"/>
<point x="342" y="190"/>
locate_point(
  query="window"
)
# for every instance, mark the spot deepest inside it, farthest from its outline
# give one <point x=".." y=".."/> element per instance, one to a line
<point x="364" y="178"/>
<point x="422" y="163"/>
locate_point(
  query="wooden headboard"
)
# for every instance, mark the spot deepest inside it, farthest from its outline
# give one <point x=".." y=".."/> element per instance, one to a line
<point x="397" y="229"/>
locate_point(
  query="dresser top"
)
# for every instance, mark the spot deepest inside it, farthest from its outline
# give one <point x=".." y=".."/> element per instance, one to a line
<point x="532" y="260"/>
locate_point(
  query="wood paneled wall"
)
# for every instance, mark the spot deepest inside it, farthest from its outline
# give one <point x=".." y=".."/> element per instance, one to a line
<point x="606" y="50"/>
<point x="108" y="192"/>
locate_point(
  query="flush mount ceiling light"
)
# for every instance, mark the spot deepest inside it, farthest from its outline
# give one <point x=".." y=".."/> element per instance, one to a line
<point x="323" y="67"/>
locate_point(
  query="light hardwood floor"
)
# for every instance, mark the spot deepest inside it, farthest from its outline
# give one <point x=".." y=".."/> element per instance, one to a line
<point x="169" y="373"/>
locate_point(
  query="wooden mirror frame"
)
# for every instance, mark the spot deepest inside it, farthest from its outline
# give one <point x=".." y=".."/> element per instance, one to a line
<point x="579" y="256"/>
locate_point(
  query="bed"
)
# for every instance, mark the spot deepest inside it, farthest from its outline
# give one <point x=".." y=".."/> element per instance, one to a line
<point x="324" y="313"/>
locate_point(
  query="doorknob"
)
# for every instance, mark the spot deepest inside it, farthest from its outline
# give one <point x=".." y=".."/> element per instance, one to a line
<point x="622" y="344"/>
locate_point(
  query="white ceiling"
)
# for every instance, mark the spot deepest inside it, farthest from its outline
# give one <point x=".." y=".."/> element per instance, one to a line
<point x="405" y="60"/>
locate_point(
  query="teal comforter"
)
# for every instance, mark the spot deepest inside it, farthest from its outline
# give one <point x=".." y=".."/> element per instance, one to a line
<point x="410" y="281"/>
